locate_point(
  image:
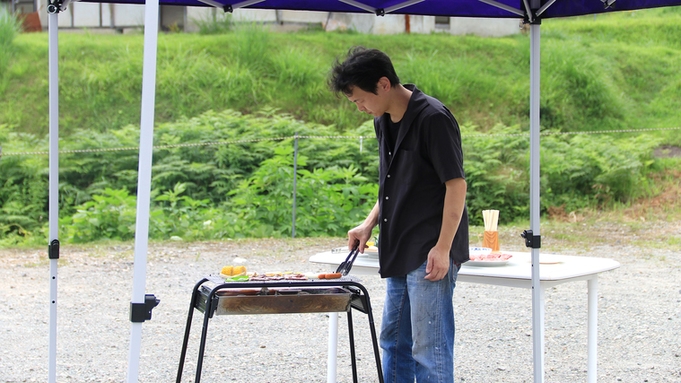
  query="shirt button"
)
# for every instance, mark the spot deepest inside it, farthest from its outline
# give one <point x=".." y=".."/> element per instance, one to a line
<point x="390" y="153"/>
<point x="386" y="197"/>
<point x="388" y="176"/>
<point x="385" y="219"/>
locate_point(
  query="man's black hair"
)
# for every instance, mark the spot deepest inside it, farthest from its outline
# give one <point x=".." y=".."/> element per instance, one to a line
<point x="362" y="68"/>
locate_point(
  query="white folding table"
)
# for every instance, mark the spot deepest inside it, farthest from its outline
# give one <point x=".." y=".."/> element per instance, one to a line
<point x="516" y="273"/>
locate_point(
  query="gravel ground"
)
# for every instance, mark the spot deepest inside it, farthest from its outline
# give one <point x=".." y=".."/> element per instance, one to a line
<point x="639" y="333"/>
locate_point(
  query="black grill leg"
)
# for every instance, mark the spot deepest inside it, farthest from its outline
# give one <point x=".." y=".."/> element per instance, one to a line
<point x="204" y="333"/>
<point x="351" y="332"/>
<point x="374" y="340"/>
<point x="188" y="326"/>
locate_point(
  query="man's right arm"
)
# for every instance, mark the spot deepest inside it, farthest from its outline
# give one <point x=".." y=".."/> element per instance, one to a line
<point x="362" y="233"/>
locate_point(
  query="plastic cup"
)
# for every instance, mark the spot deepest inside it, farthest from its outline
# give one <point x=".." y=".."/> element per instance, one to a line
<point x="491" y="239"/>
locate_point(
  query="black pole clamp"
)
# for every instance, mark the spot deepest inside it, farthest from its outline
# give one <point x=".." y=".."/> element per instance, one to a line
<point x="533" y="241"/>
<point x="140" y="312"/>
<point x="53" y="249"/>
<point x="55" y="6"/>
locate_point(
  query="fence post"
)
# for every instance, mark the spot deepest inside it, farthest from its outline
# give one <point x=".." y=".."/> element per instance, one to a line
<point x="295" y="174"/>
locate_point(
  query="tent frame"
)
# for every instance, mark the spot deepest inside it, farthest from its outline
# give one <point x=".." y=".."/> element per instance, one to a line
<point x="139" y="297"/>
<point x="141" y="303"/>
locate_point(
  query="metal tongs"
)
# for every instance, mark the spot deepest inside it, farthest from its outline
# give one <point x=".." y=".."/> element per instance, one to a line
<point x="344" y="268"/>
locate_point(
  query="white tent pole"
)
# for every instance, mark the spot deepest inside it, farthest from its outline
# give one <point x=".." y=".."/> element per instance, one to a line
<point x="53" y="214"/>
<point x="537" y="296"/>
<point x="151" y="11"/>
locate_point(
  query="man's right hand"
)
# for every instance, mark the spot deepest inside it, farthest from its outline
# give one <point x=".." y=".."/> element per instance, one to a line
<point x="362" y="233"/>
<point x="359" y="234"/>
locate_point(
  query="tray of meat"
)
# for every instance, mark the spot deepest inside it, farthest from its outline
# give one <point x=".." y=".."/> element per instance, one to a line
<point x="491" y="259"/>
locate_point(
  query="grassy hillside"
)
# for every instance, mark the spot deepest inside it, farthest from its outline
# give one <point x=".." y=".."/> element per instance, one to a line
<point x="606" y="72"/>
<point x="227" y="102"/>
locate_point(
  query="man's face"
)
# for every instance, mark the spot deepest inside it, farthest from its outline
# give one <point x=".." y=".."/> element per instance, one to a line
<point x="374" y="104"/>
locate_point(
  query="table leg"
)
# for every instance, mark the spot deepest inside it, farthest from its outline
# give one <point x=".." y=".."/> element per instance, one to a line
<point x="592" y="326"/>
<point x="333" y="348"/>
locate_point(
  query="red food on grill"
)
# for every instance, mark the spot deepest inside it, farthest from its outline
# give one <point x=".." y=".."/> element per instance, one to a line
<point x="491" y="257"/>
<point x="277" y="277"/>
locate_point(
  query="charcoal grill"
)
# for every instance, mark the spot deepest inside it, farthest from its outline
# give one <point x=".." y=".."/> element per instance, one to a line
<point x="212" y="296"/>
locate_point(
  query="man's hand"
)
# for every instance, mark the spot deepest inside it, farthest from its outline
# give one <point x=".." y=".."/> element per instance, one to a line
<point x="362" y="233"/>
<point x="438" y="264"/>
<point x="438" y="257"/>
<point x="359" y="234"/>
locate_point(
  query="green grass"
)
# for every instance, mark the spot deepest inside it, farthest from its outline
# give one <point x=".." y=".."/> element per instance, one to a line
<point x="606" y="72"/>
<point x="9" y="29"/>
<point x="636" y="62"/>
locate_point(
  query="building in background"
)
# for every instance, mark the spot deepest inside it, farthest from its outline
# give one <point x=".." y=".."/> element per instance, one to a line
<point x="19" y="6"/>
<point x="123" y="18"/>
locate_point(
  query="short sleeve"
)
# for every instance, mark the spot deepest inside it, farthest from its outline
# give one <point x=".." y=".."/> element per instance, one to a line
<point x="443" y="145"/>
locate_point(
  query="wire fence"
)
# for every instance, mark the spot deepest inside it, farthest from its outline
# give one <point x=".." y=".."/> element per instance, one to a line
<point x="294" y="137"/>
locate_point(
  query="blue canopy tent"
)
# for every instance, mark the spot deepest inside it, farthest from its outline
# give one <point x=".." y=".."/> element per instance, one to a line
<point x="531" y="11"/>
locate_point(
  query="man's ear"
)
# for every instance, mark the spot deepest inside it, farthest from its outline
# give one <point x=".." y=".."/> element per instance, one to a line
<point x="383" y="84"/>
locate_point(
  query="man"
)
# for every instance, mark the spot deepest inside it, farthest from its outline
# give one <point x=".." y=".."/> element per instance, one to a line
<point x="421" y="213"/>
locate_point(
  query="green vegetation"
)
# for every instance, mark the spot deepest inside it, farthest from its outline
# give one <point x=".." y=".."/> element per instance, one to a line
<point x="230" y="175"/>
<point x="231" y="99"/>
<point x="216" y="175"/>
<point x="9" y="29"/>
<point x="606" y="72"/>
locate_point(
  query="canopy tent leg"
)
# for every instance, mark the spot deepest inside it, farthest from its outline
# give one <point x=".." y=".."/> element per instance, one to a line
<point x="151" y="20"/>
<point x="53" y="214"/>
<point x="537" y="309"/>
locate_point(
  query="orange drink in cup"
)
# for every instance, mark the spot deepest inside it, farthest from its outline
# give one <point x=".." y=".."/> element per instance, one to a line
<point x="490" y="237"/>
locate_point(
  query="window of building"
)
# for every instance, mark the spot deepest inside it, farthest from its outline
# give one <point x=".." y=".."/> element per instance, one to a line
<point x="442" y="22"/>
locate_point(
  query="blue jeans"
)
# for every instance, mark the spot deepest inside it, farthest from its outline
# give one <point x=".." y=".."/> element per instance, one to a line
<point x="417" y="333"/>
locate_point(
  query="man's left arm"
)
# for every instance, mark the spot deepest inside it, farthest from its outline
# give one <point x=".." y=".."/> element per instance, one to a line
<point x="438" y="257"/>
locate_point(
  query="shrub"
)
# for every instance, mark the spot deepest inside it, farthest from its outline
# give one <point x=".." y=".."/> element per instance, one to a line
<point x="231" y="175"/>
